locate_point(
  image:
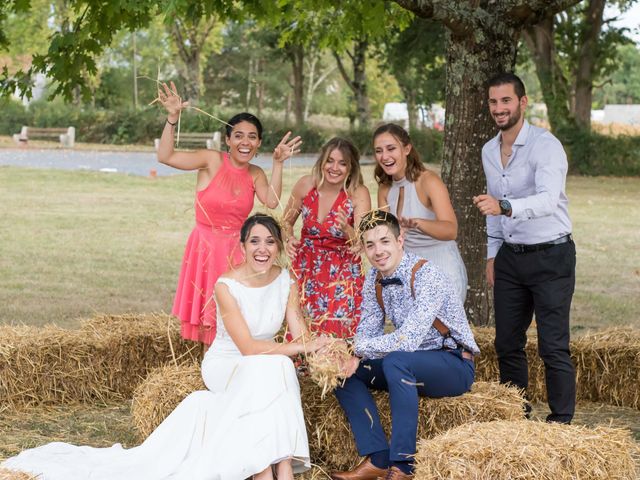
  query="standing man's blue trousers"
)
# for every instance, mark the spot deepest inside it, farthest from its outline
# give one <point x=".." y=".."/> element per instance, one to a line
<point x="405" y="375"/>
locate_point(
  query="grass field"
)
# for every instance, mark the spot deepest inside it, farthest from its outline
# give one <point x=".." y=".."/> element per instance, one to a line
<point x="74" y="243"/>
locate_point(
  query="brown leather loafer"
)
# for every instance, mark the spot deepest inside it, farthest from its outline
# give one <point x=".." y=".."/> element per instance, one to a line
<point x="365" y="471"/>
<point x="394" y="473"/>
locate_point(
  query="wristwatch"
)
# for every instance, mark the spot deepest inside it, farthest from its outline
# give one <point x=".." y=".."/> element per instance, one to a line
<point x="505" y="207"/>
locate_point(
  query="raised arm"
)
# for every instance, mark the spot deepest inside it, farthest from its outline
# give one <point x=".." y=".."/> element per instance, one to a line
<point x="268" y="192"/>
<point x="173" y="104"/>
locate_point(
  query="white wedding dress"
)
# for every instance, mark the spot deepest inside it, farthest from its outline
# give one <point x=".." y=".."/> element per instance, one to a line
<point x="249" y="418"/>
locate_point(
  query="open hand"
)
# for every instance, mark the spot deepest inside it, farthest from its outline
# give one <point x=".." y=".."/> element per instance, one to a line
<point x="287" y="148"/>
<point x="171" y="101"/>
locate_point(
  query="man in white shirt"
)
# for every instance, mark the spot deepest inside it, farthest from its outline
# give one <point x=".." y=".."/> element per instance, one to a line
<point x="530" y="252"/>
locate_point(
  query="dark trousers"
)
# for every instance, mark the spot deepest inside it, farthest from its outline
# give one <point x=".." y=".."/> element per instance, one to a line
<point x="405" y="375"/>
<point x="540" y="282"/>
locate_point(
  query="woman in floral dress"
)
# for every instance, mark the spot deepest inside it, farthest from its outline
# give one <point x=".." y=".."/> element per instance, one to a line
<point x="326" y="259"/>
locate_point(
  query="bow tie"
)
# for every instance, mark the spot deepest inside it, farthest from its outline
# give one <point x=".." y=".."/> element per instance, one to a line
<point x="390" y="281"/>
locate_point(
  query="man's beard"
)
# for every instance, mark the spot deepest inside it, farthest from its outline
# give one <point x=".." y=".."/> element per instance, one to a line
<point x="513" y="119"/>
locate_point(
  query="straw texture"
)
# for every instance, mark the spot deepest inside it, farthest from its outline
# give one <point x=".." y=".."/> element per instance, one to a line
<point x="527" y="450"/>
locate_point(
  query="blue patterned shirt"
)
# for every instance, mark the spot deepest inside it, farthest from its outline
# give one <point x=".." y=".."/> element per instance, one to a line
<point x="413" y="318"/>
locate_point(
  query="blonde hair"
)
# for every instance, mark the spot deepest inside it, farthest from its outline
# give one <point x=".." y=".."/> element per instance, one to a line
<point x="414" y="164"/>
<point x="350" y="153"/>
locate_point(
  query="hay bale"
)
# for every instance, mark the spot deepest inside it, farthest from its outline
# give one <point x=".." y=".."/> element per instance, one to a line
<point x="103" y="360"/>
<point x="331" y="442"/>
<point x="315" y="473"/>
<point x="607" y="365"/>
<point x="487" y="363"/>
<point x="6" y="474"/>
<point x="527" y="450"/>
<point x="160" y="393"/>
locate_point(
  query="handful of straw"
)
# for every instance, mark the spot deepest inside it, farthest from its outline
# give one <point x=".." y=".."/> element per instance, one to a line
<point x="326" y="366"/>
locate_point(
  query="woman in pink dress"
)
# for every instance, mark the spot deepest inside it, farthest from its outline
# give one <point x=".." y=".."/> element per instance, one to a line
<point x="326" y="259"/>
<point x="225" y="189"/>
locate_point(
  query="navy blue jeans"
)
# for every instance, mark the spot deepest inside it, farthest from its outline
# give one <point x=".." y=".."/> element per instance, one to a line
<point x="405" y="375"/>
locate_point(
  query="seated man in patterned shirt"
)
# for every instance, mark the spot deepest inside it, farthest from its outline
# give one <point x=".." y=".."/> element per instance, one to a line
<point x="430" y="352"/>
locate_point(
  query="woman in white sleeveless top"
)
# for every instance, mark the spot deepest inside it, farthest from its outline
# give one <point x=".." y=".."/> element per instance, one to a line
<point x="420" y="200"/>
<point x="249" y="422"/>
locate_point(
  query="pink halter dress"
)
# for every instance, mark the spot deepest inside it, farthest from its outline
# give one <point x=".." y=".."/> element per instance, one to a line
<point x="212" y="249"/>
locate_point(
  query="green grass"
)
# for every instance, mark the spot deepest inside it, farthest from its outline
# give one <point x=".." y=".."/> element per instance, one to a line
<point x="73" y="243"/>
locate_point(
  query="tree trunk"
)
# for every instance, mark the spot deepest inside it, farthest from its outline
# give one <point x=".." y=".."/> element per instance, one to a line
<point x="358" y="84"/>
<point x="471" y="60"/>
<point x="554" y="86"/>
<point x="296" y="55"/>
<point x="586" y="62"/>
<point x="412" y="108"/>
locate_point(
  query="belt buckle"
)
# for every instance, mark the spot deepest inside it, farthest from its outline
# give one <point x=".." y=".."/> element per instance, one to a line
<point x="516" y="247"/>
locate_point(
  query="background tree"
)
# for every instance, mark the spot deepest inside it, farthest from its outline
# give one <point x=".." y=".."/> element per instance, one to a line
<point x="415" y="57"/>
<point x="195" y="33"/>
<point x="572" y="51"/>
<point x="624" y="84"/>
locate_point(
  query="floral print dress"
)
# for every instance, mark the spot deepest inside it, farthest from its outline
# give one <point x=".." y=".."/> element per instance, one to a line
<point x="329" y="275"/>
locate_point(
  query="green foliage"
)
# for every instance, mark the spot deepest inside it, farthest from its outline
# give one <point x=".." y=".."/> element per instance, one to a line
<point x="416" y="57"/>
<point x="595" y="154"/>
<point x="624" y="84"/>
<point x="429" y="143"/>
<point x="14" y="115"/>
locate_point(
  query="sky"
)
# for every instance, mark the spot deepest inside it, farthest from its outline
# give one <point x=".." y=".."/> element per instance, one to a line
<point x="629" y="19"/>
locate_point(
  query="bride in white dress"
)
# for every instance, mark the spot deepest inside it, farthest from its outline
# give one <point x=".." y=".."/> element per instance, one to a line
<point x="249" y="422"/>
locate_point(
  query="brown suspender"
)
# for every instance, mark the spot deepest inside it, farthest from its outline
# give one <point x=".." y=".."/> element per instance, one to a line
<point x="437" y="323"/>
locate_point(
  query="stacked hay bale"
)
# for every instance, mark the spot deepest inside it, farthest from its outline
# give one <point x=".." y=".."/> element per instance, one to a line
<point x="607" y="365"/>
<point x="160" y="393"/>
<point x="331" y="442"/>
<point x="6" y="474"/>
<point x="527" y="450"/>
<point x="103" y="360"/>
<point x="487" y="362"/>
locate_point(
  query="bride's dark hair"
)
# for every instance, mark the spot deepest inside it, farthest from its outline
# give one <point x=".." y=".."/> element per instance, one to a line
<point x="268" y="222"/>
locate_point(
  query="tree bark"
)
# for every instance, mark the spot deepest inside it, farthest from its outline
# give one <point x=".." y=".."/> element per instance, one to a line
<point x="554" y="85"/>
<point x="586" y="63"/>
<point x="357" y="84"/>
<point x="468" y="126"/>
<point x="296" y="56"/>
<point x="190" y="40"/>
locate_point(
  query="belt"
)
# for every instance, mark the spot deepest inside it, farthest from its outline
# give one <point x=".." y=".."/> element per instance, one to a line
<point x="524" y="248"/>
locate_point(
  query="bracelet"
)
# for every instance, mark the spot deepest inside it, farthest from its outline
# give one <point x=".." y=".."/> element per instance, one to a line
<point x="172" y="124"/>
